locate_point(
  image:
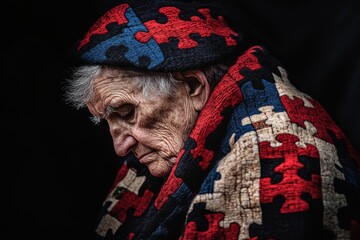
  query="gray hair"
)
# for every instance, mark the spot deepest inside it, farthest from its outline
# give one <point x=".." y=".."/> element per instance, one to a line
<point x="79" y="89"/>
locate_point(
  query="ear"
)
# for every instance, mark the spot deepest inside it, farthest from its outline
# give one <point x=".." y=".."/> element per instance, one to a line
<point x="197" y="86"/>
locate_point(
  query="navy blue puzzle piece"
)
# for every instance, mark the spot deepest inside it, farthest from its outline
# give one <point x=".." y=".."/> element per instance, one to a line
<point x="151" y="49"/>
<point x="254" y="98"/>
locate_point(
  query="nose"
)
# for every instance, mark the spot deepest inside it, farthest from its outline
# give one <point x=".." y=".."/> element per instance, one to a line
<point x="124" y="144"/>
<point x="123" y="139"/>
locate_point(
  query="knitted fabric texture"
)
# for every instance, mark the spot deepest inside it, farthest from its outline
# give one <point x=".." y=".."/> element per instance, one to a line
<point x="158" y="35"/>
<point x="264" y="161"/>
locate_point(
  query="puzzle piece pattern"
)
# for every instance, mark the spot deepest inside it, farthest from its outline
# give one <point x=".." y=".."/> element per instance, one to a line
<point x="264" y="113"/>
<point x="285" y="88"/>
<point x="204" y="224"/>
<point x="214" y="231"/>
<point x="115" y="15"/>
<point x="261" y="104"/>
<point x="132" y="47"/>
<point x="124" y="196"/>
<point x="349" y="215"/>
<point x="188" y="27"/>
<point x="291" y="156"/>
<point x="212" y="115"/>
<point x="238" y="177"/>
<point x="302" y="108"/>
<point x="271" y="126"/>
<point x="274" y="166"/>
<point x="227" y="94"/>
<point x="291" y="186"/>
<point x="328" y="156"/>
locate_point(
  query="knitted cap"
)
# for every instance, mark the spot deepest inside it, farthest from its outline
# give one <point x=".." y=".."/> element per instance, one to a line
<point x="158" y="35"/>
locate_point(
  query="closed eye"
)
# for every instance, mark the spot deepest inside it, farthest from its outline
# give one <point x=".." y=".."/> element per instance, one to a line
<point x="124" y="111"/>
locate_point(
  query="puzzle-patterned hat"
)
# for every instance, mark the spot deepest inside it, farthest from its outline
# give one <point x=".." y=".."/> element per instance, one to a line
<point x="159" y="35"/>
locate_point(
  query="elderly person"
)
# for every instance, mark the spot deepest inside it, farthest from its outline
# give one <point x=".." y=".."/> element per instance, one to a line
<point x="215" y="141"/>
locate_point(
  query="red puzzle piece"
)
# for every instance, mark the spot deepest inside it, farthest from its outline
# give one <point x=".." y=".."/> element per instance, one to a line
<point x="162" y="32"/>
<point x="291" y="186"/>
<point x="131" y="200"/>
<point x="214" y="230"/>
<point x="317" y="116"/>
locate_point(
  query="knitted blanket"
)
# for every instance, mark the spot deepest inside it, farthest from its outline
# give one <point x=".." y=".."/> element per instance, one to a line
<point x="264" y="161"/>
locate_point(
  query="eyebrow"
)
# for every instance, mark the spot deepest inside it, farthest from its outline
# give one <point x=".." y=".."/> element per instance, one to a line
<point x="97" y="119"/>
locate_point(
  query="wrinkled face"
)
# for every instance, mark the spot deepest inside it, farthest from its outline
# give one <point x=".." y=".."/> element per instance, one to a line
<point x="153" y="128"/>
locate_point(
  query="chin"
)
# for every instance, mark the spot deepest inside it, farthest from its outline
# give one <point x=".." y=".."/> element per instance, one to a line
<point x="160" y="169"/>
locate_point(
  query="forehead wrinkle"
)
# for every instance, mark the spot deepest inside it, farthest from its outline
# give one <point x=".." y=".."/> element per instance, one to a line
<point x="109" y="91"/>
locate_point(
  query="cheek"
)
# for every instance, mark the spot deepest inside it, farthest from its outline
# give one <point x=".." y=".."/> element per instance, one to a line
<point x="156" y="118"/>
<point x="168" y="113"/>
<point x="179" y="124"/>
<point x="169" y="124"/>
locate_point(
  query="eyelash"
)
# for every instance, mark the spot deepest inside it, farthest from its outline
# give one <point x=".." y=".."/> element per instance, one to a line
<point x="128" y="115"/>
<point x="97" y="120"/>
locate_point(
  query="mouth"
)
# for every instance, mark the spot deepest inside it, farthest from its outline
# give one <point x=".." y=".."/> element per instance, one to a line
<point x="151" y="157"/>
<point x="146" y="158"/>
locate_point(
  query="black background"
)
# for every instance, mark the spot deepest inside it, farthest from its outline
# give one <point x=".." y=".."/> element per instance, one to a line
<point x="57" y="166"/>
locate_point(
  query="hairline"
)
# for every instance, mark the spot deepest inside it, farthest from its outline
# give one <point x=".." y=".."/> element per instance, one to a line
<point x="80" y="87"/>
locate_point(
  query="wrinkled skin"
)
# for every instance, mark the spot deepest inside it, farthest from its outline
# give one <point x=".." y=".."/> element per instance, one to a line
<point x="154" y="128"/>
